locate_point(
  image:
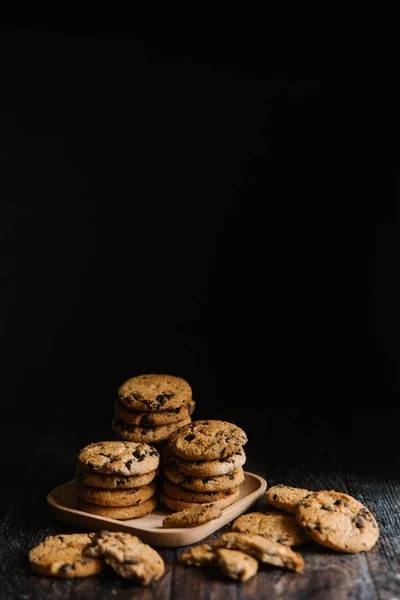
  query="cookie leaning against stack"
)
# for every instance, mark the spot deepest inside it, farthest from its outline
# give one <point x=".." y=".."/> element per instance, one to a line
<point x="202" y="463"/>
<point x="115" y="479"/>
<point x="149" y="408"/>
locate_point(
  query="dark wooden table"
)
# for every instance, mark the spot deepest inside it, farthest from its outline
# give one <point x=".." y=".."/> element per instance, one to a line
<point x="313" y="453"/>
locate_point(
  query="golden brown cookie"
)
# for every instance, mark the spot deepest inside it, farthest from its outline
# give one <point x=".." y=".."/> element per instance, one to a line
<point x="285" y="497"/>
<point x="191" y="517"/>
<point x="118" y="458"/>
<point x="128" y="556"/>
<point x="219" y="483"/>
<point x="236" y="564"/>
<point x="207" y="440"/>
<point x="121" y="512"/>
<point x="263" y="549"/>
<point x="180" y="493"/>
<point x="155" y="418"/>
<point x="178" y="505"/>
<point x="200" y="556"/>
<point x="127" y="497"/>
<point x="63" y="556"/>
<point x="154" y="392"/>
<point x="275" y="526"/>
<point x="337" y="521"/>
<point x="134" y="433"/>
<point x="204" y="468"/>
<point x="112" y="482"/>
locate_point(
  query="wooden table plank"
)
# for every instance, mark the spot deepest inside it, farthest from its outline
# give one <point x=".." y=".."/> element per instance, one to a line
<point x="26" y="520"/>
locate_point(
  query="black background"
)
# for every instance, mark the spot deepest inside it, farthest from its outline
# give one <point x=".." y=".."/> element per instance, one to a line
<point x="212" y="207"/>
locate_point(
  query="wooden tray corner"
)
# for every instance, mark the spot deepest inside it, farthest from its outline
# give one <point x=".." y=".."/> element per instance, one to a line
<point x="61" y="501"/>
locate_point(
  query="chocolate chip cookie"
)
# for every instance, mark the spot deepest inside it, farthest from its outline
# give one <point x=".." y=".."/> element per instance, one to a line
<point x="154" y="392"/>
<point x="128" y="556"/>
<point x="113" y="482"/>
<point x="207" y="440"/>
<point x="134" y="433"/>
<point x="63" y="556"/>
<point x="199" y="556"/>
<point x="219" y="483"/>
<point x="191" y="517"/>
<point x="337" y="521"/>
<point x="121" y="512"/>
<point x="180" y="493"/>
<point x="265" y="550"/>
<point x="127" y="497"/>
<point x="204" y="468"/>
<point x="178" y="505"/>
<point x="285" y="497"/>
<point x="236" y="564"/>
<point x="153" y="419"/>
<point x="118" y="458"/>
<point x="275" y="526"/>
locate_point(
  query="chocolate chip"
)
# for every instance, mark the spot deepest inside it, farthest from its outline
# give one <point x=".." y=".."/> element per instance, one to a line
<point x="61" y="538"/>
<point x="231" y="476"/>
<point x="91" y="465"/>
<point x="281" y="540"/>
<point x="207" y="479"/>
<point x="146" y="431"/>
<point x="132" y="561"/>
<point x="359" y="522"/>
<point x="146" y="420"/>
<point x="339" y="501"/>
<point x="137" y="396"/>
<point x="275" y="496"/>
<point x="189" y="437"/>
<point x="85" y="561"/>
<point x="154" y="453"/>
<point x="326" y="507"/>
<point x="65" y="569"/>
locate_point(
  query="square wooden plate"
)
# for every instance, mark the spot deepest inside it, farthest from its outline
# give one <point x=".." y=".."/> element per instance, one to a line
<point x="61" y="501"/>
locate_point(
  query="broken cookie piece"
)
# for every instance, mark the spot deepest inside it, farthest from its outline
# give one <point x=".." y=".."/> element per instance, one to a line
<point x="263" y="549"/>
<point x="128" y="556"/>
<point x="236" y="564"/>
<point x="190" y="517"/>
<point x="200" y="556"/>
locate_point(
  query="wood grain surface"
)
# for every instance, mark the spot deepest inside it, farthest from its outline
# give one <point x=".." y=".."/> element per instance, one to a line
<point x="311" y="459"/>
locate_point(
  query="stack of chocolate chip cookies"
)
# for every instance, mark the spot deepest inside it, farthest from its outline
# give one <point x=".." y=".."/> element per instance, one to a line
<point x="149" y="408"/>
<point x="116" y="479"/>
<point x="202" y="463"/>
